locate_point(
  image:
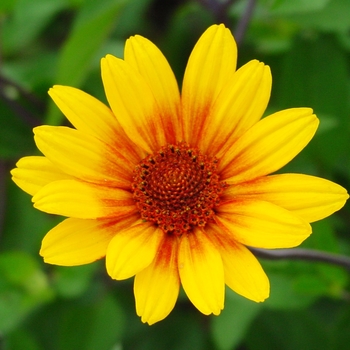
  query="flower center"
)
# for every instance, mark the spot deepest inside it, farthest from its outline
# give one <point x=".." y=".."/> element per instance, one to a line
<point x="177" y="188"/>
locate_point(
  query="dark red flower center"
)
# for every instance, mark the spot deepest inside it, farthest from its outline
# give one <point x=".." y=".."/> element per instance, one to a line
<point x="177" y="188"/>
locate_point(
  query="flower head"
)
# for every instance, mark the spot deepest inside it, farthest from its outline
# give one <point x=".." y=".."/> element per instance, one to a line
<point x="171" y="188"/>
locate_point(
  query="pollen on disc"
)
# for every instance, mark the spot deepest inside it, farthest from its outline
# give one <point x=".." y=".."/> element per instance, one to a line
<point x="177" y="188"/>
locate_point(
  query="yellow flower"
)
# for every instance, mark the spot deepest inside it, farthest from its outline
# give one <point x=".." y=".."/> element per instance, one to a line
<point x="171" y="189"/>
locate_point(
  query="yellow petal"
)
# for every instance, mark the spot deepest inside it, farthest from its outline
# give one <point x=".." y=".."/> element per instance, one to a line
<point x="211" y="65"/>
<point x="92" y="117"/>
<point x="132" y="250"/>
<point x="243" y="272"/>
<point x="312" y="198"/>
<point x="83" y="156"/>
<point x="133" y="103"/>
<point x="149" y="61"/>
<point x="201" y="272"/>
<point x="268" y="145"/>
<point x="157" y="287"/>
<point x="32" y="173"/>
<point x="262" y="224"/>
<point x="239" y="106"/>
<point x="82" y="200"/>
<point x="78" y="241"/>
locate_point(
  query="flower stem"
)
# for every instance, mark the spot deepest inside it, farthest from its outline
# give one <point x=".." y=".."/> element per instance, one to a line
<point x="244" y="21"/>
<point x="218" y="9"/>
<point x="303" y="254"/>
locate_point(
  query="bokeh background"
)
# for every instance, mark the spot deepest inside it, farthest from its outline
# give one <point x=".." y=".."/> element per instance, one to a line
<point x="46" y="42"/>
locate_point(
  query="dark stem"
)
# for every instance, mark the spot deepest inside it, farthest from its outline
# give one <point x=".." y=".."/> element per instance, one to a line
<point x="303" y="254"/>
<point x="219" y="9"/>
<point x="244" y="21"/>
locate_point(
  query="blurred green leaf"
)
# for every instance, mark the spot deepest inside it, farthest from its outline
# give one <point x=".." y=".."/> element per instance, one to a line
<point x="15" y="136"/>
<point x="334" y="17"/>
<point x="186" y="25"/>
<point x="230" y="327"/>
<point x="33" y="71"/>
<point x="73" y="281"/>
<point x="23" y="287"/>
<point x="24" y="226"/>
<point x="341" y="338"/>
<point x="91" y="325"/>
<point x="318" y="15"/>
<point x="21" y="339"/>
<point x="108" y="325"/>
<point x="132" y="17"/>
<point x="93" y="24"/>
<point x="309" y="284"/>
<point x="288" y="331"/>
<point x="283" y="294"/>
<point x="182" y="329"/>
<point x="7" y="5"/>
<point x="28" y="19"/>
<point x="20" y="269"/>
<point x="324" y="239"/>
<point x="297" y="6"/>
<point x="314" y="74"/>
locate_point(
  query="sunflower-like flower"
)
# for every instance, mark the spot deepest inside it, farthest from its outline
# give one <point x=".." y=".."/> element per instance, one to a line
<point x="171" y="188"/>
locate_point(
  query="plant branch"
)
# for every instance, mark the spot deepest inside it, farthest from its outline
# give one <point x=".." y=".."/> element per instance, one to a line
<point x="218" y="9"/>
<point x="303" y="254"/>
<point x="244" y="21"/>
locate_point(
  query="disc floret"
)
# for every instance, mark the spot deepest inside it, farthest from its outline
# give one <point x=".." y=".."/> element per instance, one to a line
<point x="177" y="188"/>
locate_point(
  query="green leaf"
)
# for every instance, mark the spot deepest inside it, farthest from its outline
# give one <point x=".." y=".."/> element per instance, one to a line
<point x="73" y="281"/>
<point x="342" y="330"/>
<point x="29" y="18"/>
<point x="15" y="136"/>
<point x="311" y="76"/>
<point x="311" y="285"/>
<point x="324" y="239"/>
<point x="31" y="72"/>
<point x="284" y="295"/>
<point x="132" y="17"/>
<point x="20" y="339"/>
<point x="230" y="327"/>
<point x="297" y="6"/>
<point x="187" y="24"/>
<point x="7" y="5"/>
<point x="24" y="231"/>
<point x="314" y="74"/>
<point x="93" y="24"/>
<point x="108" y="324"/>
<point x="288" y="331"/>
<point x="334" y="17"/>
<point x="96" y="324"/>
<point x="23" y="287"/>
<point x="182" y="329"/>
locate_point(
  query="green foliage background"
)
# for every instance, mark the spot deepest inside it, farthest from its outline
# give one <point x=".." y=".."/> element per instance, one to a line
<point x="46" y="42"/>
